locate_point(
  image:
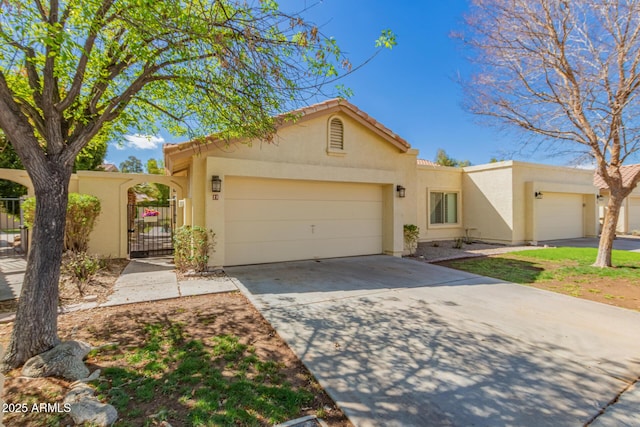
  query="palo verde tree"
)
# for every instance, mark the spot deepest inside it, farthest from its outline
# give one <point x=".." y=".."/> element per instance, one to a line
<point x="72" y="69"/>
<point x="567" y="73"/>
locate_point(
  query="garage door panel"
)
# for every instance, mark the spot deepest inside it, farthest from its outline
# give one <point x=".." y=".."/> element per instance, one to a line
<point x="239" y="188"/>
<point x="299" y="230"/>
<point x="270" y="220"/>
<point x="252" y="210"/>
<point x="560" y="216"/>
<point x="262" y="252"/>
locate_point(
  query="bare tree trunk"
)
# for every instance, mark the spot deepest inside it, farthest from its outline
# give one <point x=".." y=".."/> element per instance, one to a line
<point x="36" y="324"/>
<point x="609" y="231"/>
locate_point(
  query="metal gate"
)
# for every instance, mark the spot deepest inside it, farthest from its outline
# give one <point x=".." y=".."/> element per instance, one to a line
<point x="150" y="230"/>
<point x="14" y="236"/>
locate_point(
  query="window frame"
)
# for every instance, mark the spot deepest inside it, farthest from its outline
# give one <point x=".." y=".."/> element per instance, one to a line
<point x="444" y="192"/>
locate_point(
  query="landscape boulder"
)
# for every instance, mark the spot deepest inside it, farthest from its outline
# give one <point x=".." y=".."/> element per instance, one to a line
<point x="64" y="360"/>
<point x="85" y="408"/>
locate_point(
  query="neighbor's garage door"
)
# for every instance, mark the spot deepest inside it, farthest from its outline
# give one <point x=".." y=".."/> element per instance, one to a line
<point x="634" y="214"/>
<point x="560" y="216"/>
<point x="270" y="220"/>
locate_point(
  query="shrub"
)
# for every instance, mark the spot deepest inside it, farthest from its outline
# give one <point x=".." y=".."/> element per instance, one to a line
<point x="411" y="236"/>
<point x="191" y="248"/>
<point x="81" y="267"/>
<point x="82" y="212"/>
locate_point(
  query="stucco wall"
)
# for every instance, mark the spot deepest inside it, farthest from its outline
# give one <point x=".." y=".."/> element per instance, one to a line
<point x="500" y="203"/>
<point x="529" y="178"/>
<point x="19" y="176"/>
<point x="488" y="202"/>
<point x="438" y="178"/>
<point x="109" y="237"/>
<point x="299" y="152"/>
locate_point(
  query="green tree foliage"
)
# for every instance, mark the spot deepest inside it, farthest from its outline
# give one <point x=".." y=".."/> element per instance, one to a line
<point x="82" y="212"/>
<point x="443" y="159"/>
<point x="131" y="165"/>
<point x="162" y="192"/>
<point x="92" y="156"/>
<point x="73" y="70"/>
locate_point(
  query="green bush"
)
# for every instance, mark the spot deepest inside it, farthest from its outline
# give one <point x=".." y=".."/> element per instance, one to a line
<point x="191" y="248"/>
<point x="82" y="212"/>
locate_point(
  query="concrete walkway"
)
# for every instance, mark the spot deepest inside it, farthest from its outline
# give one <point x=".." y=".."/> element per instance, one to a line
<point x="12" y="269"/>
<point x="402" y="343"/>
<point x="153" y="279"/>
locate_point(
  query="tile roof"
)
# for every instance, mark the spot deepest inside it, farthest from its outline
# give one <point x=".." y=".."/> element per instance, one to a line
<point x="628" y="173"/>
<point x="335" y="104"/>
<point x="423" y="162"/>
<point x="340" y="103"/>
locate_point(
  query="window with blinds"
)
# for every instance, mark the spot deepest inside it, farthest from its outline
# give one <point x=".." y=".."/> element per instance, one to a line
<point x="444" y="208"/>
<point x="336" y="135"/>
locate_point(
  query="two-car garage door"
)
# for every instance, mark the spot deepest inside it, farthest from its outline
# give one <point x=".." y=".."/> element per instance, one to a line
<point x="271" y="220"/>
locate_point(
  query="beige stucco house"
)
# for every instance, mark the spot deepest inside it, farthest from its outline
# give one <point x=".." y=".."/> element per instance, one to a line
<point x="336" y="182"/>
<point x="629" y="219"/>
<point x="339" y="183"/>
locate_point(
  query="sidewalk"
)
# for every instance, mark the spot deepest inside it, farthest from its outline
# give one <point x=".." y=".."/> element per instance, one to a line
<point x="142" y="280"/>
<point x="153" y="279"/>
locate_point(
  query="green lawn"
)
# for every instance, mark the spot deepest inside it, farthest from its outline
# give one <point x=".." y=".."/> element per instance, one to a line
<point x="223" y="382"/>
<point x="566" y="270"/>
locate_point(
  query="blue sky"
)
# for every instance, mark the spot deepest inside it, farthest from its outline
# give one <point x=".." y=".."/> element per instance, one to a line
<point x="411" y="89"/>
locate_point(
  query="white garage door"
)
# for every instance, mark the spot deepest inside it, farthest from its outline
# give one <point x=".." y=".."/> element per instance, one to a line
<point x="634" y="214"/>
<point x="270" y="220"/>
<point x="559" y="216"/>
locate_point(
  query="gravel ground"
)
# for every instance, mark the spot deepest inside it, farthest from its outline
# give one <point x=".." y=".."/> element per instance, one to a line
<point x="445" y="250"/>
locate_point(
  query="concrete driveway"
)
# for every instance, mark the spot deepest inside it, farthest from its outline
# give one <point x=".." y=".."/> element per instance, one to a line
<point x="624" y="243"/>
<point x="401" y="343"/>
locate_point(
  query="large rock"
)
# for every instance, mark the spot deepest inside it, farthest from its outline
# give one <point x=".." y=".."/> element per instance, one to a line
<point x="85" y="408"/>
<point x="93" y="412"/>
<point x="63" y="360"/>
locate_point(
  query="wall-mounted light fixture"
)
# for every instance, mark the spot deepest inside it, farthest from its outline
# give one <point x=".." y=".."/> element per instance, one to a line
<point x="538" y="194"/>
<point x="401" y="191"/>
<point x="216" y="184"/>
<point x="600" y="197"/>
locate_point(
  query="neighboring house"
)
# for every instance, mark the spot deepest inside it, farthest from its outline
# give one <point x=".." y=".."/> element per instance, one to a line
<point x="629" y="219"/>
<point x="329" y="186"/>
<point x="108" y="167"/>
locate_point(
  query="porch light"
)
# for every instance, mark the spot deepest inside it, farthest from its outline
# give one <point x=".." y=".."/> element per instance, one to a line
<point x="401" y="191"/>
<point x="216" y="184"/>
<point x="538" y="194"/>
<point x="600" y="197"/>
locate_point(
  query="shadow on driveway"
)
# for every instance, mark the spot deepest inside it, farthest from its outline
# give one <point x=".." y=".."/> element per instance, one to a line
<point x="402" y="343"/>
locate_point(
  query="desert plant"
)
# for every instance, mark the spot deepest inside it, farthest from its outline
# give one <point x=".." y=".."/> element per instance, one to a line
<point x="82" y="212"/>
<point x="411" y="236"/>
<point x="191" y="248"/>
<point x="81" y="267"/>
<point x="458" y="243"/>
